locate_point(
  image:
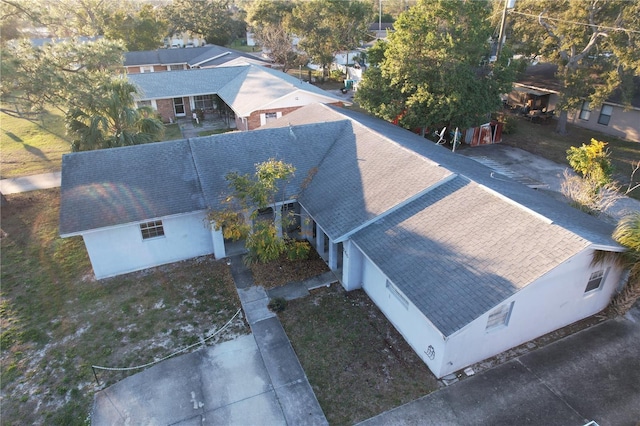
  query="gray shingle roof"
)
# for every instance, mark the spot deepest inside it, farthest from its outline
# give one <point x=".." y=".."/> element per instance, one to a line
<point x="123" y="185"/>
<point x="166" y="85"/>
<point x="244" y="88"/>
<point x="210" y="55"/>
<point x="456" y="249"/>
<point x="460" y="250"/>
<point x="303" y="146"/>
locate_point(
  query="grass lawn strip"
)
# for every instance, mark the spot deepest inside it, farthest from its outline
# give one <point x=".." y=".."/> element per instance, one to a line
<point x="356" y="362"/>
<point x="57" y="320"/>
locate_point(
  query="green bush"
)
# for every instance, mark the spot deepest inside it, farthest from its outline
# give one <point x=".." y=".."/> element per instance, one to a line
<point x="277" y="304"/>
<point x="298" y="250"/>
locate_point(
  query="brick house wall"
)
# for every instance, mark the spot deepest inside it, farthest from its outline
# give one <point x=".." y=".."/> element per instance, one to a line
<point x="253" y="121"/>
<point x="167" y="112"/>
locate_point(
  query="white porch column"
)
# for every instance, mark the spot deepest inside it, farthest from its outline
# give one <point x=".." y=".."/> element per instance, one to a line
<point x="320" y="241"/>
<point x="333" y="255"/>
<point x="218" y="242"/>
<point x="352" y="262"/>
<point x="278" y="218"/>
<point x="306" y="225"/>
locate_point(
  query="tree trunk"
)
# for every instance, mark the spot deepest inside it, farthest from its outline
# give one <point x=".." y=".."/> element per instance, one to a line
<point x="561" y="126"/>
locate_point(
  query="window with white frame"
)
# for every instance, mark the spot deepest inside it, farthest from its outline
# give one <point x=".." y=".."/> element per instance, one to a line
<point x="595" y="281"/>
<point x="393" y="290"/>
<point x="146" y="69"/>
<point x="144" y="104"/>
<point x="585" y="111"/>
<point x="176" y="67"/>
<point x="203" y="102"/>
<point x="499" y="317"/>
<point x="152" y="229"/>
<point x="269" y="116"/>
<point x="605" y="114"/>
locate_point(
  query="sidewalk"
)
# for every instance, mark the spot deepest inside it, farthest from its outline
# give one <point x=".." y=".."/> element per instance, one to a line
<point x="30" y="183"/>
<point x="292" y="388"/>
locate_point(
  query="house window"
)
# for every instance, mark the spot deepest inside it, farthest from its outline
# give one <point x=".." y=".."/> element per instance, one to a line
<point x="203" y="102"/>
<point x="595" y="281"/>
<point x="605" y="115"/>
<point x="585" y="111"/>
<point x="152" y="229"/>
<point x="144" y="104"/>
<point x="269" y="116"/>
<point x="176" y="67"/>
<point x="146" y="69"/>
<point x="499" y="317"/>
<point x="393" y="290"/>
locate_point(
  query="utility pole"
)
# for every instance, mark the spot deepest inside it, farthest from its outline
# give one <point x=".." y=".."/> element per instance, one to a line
<point x="508" y="4"/>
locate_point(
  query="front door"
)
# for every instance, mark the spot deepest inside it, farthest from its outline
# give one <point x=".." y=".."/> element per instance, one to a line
<point x="178" y="107"/>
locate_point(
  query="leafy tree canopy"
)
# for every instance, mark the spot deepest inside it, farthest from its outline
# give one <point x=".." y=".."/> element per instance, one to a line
<point x="592" y="162"/>
<point x="594" y="43"/>
<point x="251" y="194"/>
<point x="326" y="27"/>
<point x="64" y="75"/>
<point x="212" y="19"/>
<point x="435" y="68"/>
<point x="142" y="29"/>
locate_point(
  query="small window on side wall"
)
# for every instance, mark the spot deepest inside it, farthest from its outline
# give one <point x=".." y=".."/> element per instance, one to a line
<point x="605" y="115"/>
<point x="595" y="281"/>
<point x="152" y="229"/>
<point x="499" y="317"/>
<point x="585" y="111"/>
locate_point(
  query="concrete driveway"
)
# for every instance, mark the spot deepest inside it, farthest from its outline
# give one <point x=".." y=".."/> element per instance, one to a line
<point x="537" y="172"/>
<point x="225" y="384"/>
<point x="593" y="375"/>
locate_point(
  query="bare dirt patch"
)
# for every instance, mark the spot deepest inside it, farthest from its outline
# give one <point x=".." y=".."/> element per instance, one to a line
<point x="356" y="362"/>
<point x="57" y="320"/>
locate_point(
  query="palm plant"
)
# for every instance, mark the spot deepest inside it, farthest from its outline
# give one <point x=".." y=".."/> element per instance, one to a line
<point x="111" y="119"/>
<point x="627" y="233"/>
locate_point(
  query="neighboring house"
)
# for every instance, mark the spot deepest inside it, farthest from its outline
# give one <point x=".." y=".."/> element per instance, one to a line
<point x="255" y="94"/>
<point x="380" y="30"/>
<point x="540" y="88"/>
<point x="209" y="56"/>
<point x="465" y="263"/>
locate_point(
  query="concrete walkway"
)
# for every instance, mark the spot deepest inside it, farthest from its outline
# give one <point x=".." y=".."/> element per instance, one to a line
<point x="30" y="183"/>
<point x="253" y="380"/>
<point x="289" y="381"/>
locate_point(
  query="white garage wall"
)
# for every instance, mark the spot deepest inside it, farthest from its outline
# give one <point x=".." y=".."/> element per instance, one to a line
<point x="118" y="250"/>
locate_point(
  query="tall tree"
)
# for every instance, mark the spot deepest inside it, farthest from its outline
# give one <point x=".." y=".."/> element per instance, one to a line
<point x="210" y="18"/>
<point x="435" y="69"/>
<point x="594" y="43"/>
<point x="112" y="120"/>
<point x="269" y="21"/>
<point x="63" y="75"/>
<point x="142" y="29"/>
<point x="326" y="27"/>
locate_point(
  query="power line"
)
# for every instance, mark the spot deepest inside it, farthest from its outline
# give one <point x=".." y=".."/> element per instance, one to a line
<point x="577" y="23"/>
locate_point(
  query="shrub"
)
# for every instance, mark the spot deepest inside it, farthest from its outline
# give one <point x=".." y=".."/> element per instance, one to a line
<point x="277" y="304"/>
<point x="298" y="250"/>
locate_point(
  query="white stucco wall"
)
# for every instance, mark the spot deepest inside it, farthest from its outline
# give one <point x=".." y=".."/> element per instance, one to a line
<point x="409" y="321"/>
<point x="118" y="250"/>
<point x="553" y="301"/>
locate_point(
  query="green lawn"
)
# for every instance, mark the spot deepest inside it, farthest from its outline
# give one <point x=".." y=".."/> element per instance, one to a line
<point x="32" y="147"/>
<point x="57" y="321"/>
